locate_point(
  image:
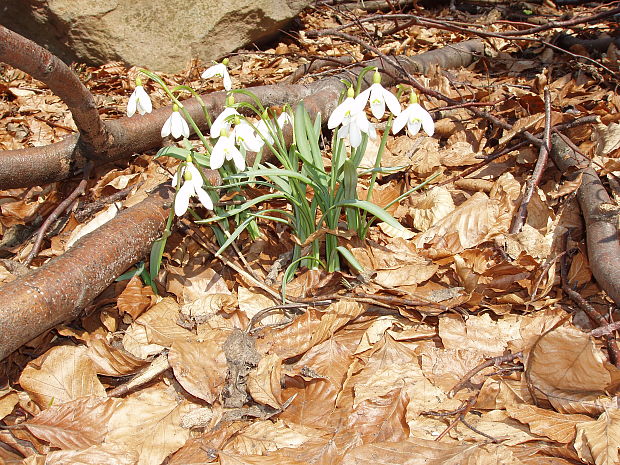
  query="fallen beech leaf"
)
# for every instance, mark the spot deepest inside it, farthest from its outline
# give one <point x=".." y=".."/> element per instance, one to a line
<point x="265" y="436"/>
<point x="135" y="298"/>
<point x="108" y="454"/>
<point x="431" y="206"/>
<point x="149" y="423"/>
<point x="110" y="361"/>
<point x="62" y="374"/>
<point x="264" y="381"/>
<point x="76" y="424"/>
<point x="98" y="220"/>
<point x="600" y="439"/>
<point x="200" y="367"/>
<point x="556" y="426"/>
<point x="227" y="458"/>
<point x="337" y="315"/>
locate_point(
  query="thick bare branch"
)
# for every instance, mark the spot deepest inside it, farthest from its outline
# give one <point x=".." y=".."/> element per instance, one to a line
<point x="35" y="60"/>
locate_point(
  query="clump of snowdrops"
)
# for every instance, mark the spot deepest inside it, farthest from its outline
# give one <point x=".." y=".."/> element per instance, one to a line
<point x="316" y="196"/>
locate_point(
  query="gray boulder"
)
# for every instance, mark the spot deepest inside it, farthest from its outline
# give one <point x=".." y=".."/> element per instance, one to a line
<point x="162" y="35"/>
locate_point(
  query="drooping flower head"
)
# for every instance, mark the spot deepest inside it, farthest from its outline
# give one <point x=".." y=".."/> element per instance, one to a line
<point x="175" y="125"/>
<point x="219" y="70"/>
<point x="415" y="117"/>
<point x="139" y="100"/>
<point x="225" y="149"/>
<point x="352" y="118"/>
<point x="192" y="186"/>
<point x="379" y="97"/>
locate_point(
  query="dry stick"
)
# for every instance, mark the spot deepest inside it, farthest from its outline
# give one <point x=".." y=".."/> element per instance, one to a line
<point x="470" y="403"/>
<point x="607" y="329"/>
<point x="35" y="60"/>
<point x="64" y="205"/>
<point x="317" y="64"/>
<point x="493" y="361"/>
<point x="539" y="168"/>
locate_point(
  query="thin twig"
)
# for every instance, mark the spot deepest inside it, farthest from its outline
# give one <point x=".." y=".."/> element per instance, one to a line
<point x="493" y="361"/>
<point x="64" y="205"/>
<point x="539" y="168"/>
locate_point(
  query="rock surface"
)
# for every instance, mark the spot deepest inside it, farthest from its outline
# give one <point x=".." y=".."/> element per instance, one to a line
<point x="162" y="35"/>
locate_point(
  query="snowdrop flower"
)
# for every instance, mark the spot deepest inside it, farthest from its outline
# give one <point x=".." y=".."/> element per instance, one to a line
<point x="225" y="149"/>
<point x="379" y="97"/>
<point x="350" y="114"/>
<point x="223" y="121"/>
<point x="246" y="137"/>
<point x="175" y="125"/>
<point x="139" y="100"/>
<point x="414" y="116"/>
<point x="219" y="70"/>
<point x="192" y="186"/>
<point x="265" y="124"/>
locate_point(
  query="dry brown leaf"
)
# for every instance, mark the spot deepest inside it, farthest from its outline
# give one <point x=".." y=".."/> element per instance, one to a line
<point x="265" y="436"/>
<point x="476" y="220"/>
<point x="293" y="339"/>
<point x="200" y="367"/>
<point x="415" y="451"/>
<point x="108" y="455"/>
<point x="194" y="280"/>
<point x="556" y="426"/>
<point x="228" y="458"/>
<point x="264" y="383"/>
<point x="8" y="400"/>
<point x="383" y="418"/>
<point x="135" y="298"/>
<point x="430" y="207"/>
<point x="599" y="440"/>
<point x="111" y="361"/>
<point x="148" y="423"/>
<point x="76" y="424"/>
<point x="336" y="315"/>
<point x="62" y="374"/>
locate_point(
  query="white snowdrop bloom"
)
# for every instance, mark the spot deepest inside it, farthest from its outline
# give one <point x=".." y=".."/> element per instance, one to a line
<point x="139" y="100"/>
<point x="175" y="125"/>
<point x="351" y="116"/>
<point x="223" y="121"/>
<point x="192" y="186"/>
<point x="245" y="135"/>
<point x="219" y="70"/>
<point x="225" y="149"/>
<point x="415" y="117"/>
<point x="379" y="97"/>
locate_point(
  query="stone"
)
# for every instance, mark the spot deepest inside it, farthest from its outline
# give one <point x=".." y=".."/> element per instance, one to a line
<point x="161" y="35"/>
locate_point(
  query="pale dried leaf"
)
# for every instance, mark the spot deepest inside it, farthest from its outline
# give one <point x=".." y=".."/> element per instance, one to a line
<point x="430" y="207"/>
<point x="135" y="298"/>
<point x="337" y="315"/>
<point x="62" y="374"/>
<point x="149" y="423"/>
<point x="77" y="424"/>
<point x="265" y="436"/>
<point x="107" y="454"/>
<point x="556" y="426"/>
<point x="600" y="439"/>
<point x="264" y="381"/>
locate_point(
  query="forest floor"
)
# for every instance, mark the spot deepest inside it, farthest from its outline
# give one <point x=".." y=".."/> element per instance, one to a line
<point x="462" y="343"/>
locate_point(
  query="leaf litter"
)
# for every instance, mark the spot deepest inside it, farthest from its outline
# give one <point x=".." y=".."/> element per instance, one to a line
<point x="459" y="347"/>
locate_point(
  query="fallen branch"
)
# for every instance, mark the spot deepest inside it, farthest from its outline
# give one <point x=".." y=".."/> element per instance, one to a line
<point x="59" y="290"/>
<point x="599" y="214"/>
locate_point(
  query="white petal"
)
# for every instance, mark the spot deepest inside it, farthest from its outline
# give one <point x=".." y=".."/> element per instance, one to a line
<point x="401" y="120"/>
<point x="377" y="106"/>
<point x="372" y="133"/>
<point x="196" y="177"/>
<point x="339" y="113"/>
<point x="179" y="127"/>
<point x="204" y="198"/>
<point x="132" y="104"/>
<point x="215" y="70"/>
<point x="165" y="130"/>
<point x="227" y="80"/>
<point x="244" y="135"/>
<point x="263" y="130"/>
<point x="284" y="118"/>
<point x="181" y="201"/>
<point x="221" y="123"/>
<point x="413" y="126"/>
<point x="427" y="122"/>
<point x="218" y="154"/>
<point x="144" y="101"/>
<point x="361" y="100"/>
<point x="355" y="136"/>
<point x="175" y="177"/>
<point x="392" y="102"/>
<point x="236" y="156"/>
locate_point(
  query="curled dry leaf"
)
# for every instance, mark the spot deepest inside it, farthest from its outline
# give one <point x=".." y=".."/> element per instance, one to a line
<point x="200" y="366"/>
<point x="62" y="374"/>
<point x="112" y="361"/>
<point x="135" y="298"/>
<point x="598" y="441"/>
<point x="264" y="382"/>
<point x="430" y="207"/>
